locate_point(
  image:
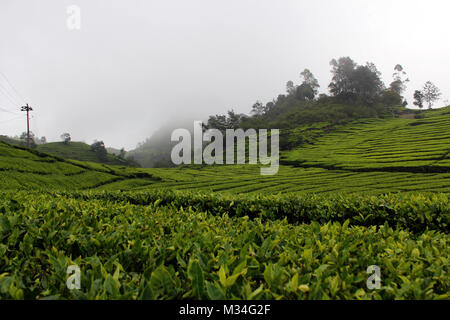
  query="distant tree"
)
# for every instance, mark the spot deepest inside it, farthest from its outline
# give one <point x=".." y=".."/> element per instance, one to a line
<point x="290" y="87"/>
<point x="43" y="140"/>
<point x="366" y="82"/>
<point x="399" y="83"/>
<point x="391" y="98"/>
<point x="311" y="81"/>
<point x="418" y="98"/>
<point x="270" y="106"/>
<point x="342" y="71"/>
<point x="223" y="122"/>
<point x="66" y="138"/>
<point x="352" y="82"/>
<point x="122" y="153"/>
<point x="258" y="109"/>
<point x="305" y="92"/>
<point x="323" y="98"/>
<point x="218" y="122"/>
<point x="24" y="138"/>
<point x="99" y="148"/>
<point x="234" y="119"/>
<point x="431" y="93"/>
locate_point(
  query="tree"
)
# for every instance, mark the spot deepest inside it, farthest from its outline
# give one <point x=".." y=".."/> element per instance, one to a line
<point x="399" y="83"/>
<point x="234" y="119"/>
<point x="223" y="122"/>
<point x="366" y="82"/>
<point x="418" y="99"/>
<point x="24" y="137"/>
<point x="66" y="138"/>
<point x="431" y="93"/>
<point x="311" y="81"/>
<point x="43" y="140"/>
<point x="290" y="87"/>
<point x="342" y="71"/>
<point x="391" y="98"/>
<point x="353" y="82"/>
<point x="258" y="109"/>
<point x="122" y="153"/>
<point x="99" y="148"/>
<point x="305" y="92"/>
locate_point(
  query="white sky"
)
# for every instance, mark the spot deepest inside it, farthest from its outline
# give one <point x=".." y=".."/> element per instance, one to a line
<point x="135" y="64"/>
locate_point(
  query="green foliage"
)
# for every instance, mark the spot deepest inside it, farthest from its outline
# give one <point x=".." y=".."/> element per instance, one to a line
<point x="82" y="152"/>
<point x="156" y="251"/>
<point x="389" y="145"/>
<point x="414" y="212"/>
<point x="31" y="169"/>
<point x="99" y="149"/>
<point x="352" y="82"/>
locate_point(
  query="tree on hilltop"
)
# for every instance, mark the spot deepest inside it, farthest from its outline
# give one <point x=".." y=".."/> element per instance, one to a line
<point x="66" y="138"/>
<point x="418" y="98"/>
<point x="399" y="83"/>
<point x="431" y="93"/>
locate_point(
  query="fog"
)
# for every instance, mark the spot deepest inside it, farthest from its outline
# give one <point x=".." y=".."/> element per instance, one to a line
<point x="136" y="64"/>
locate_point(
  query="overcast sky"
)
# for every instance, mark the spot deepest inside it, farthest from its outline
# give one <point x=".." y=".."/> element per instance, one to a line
<point x="135" y="64"/>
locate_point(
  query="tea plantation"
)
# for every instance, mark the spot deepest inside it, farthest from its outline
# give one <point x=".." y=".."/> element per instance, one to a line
<point x="374" y="192"/>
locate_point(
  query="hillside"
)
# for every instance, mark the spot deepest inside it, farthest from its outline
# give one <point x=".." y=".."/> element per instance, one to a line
<point x="396" y="145"/>
<point x="33" y="170"/>
<point x="162" y="243"/>
<point x="153" y="244"/>
<point x="82" y="152"/>
<point x="370" y="156"/>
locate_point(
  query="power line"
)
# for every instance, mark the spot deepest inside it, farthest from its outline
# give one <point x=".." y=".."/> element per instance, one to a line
<point x="8" y="111"/>
<point x="9" y="120"/>
<point x="7" y="95"/>
<point x="10" y="84"/>
<point x="34" y="125"/>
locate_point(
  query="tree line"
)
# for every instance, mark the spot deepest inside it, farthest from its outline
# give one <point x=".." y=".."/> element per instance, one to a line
<point x="354" y="91"/>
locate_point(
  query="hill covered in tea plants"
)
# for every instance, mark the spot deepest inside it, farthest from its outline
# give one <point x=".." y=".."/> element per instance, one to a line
<point x="82" y="152"/>
<point x="309" y="232"/>
<point x="366" y="156"/>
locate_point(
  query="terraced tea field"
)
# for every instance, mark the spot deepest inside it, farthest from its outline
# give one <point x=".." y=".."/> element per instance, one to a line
<point x="373" y="156"/>
<point x="368" y="193"/>
<point x="395" y="145"/>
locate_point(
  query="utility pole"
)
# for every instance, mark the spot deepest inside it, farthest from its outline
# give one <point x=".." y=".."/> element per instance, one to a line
<point x="27" y="108"/>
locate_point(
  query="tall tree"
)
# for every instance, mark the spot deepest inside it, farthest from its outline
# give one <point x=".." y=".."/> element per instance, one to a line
<point x="290" y="87"/>
<point x="431" y="93"/>
<point x="342" y="71"/>
<point x="355" y="82"/>
<point x="366" y="82"/>
<point x="310" y="80"/>
<point x="418" y="98"/>
<point x="399" y="83"/>
<point x="305" y="92"/>
<point x="258" y="109"/>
